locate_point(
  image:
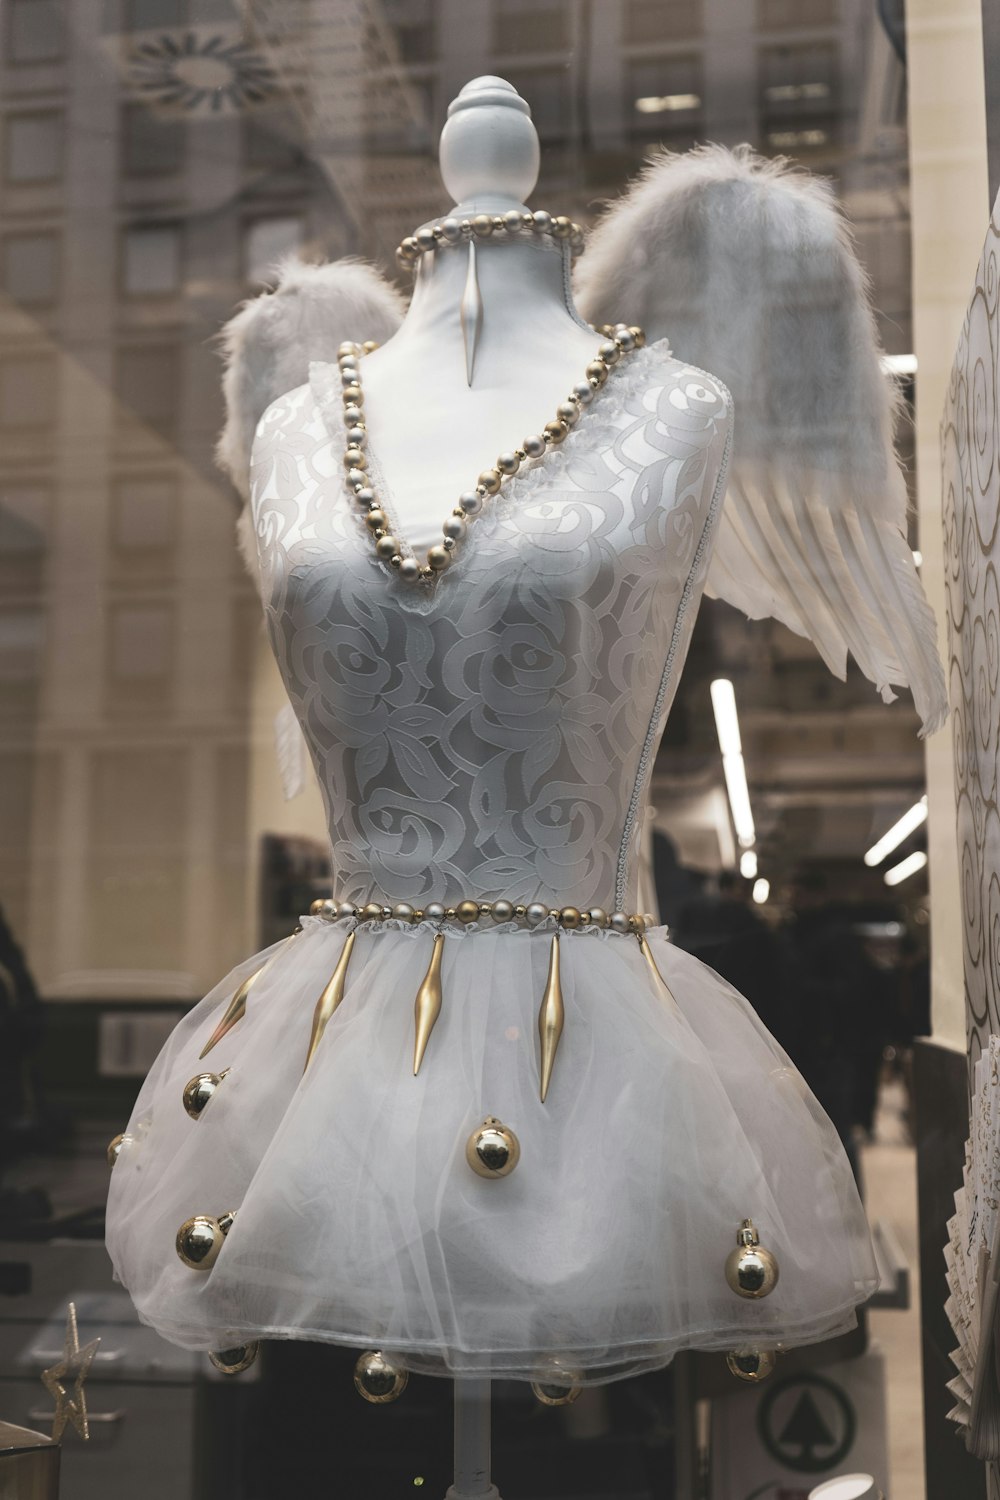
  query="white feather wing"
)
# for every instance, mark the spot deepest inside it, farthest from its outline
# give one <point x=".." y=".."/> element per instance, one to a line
<point x="268" y="346"/>
<point x="749" y="268"/>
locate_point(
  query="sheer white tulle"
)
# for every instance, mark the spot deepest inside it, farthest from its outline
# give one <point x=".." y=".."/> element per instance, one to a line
<point x="494" y="736"/>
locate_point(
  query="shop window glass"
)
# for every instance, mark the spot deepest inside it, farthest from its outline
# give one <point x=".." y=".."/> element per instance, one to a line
<point x="651" y="21"/>
<point x="140" y="642"/>
<point x="415" y="26"/>
<point x="549" y="92"/>
<point x="267" y="242"/>
<point x="520" y="28"/>
<point x="151" y="260"/>
<point x="150" y="15"/>
<point x="22" y="639"/>
<point x="34" y="148"/>
<point x="776" y="15"/>
<point x="147" y="386"/>
<point x="151" y="146"/>
<point x="24" y="515"/>
<point x="271" y="140"/>
<point x="27" y="392"/>
<point x="35" y="30"/>
<point x="664" y="94"/>
<point x="31" y="267"/>
<point x="144" y="513"/>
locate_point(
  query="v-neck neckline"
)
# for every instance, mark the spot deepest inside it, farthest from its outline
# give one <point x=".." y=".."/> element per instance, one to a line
<point x="325" y="384"/>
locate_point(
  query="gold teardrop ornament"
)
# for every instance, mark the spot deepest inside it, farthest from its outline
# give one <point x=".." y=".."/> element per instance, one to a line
<point x="753" y="1365"/>
<point x="378" y="1379"/>
<point x="492" y="1150"/>
<point x="551" y="1019"/>
<point x="427" y="1006"/>
<point x="331" y="997"/>
<point x="237" y="1007"/>
<point x="659" y="983"/>
<point x="233" y="1361"/>
<point x="115" y="1146"/>
<point x="751" y="1271"/>
<point x="235" y="1011"/>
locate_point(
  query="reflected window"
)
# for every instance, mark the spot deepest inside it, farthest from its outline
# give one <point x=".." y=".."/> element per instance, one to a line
<point x="272" y="140"/>
<point x="151" y="260"/>
<point x="652" y="21"/>
<point x="140" y="642"/>
<point x="799" y="94"/>
<point x="31" y="268"/>
<point x="22" y="639"/>
<point x="147" y="387"/>
<point x="27" y="392"/>
<point x="415" y="26"/>
<point x="24" y="518"/>
<point x="152" y="146"/>
<point x="268" y="241"/>
<point x="151" y="15"/>
<point x="144" y="513"/>
<point x="522" y="27"/>
<point x="548" y="91"/>
<point x="35" y="31"/>
<point x="34" y="146"/>
<point x="664" y="95"/>
<point x="774" y="15"/>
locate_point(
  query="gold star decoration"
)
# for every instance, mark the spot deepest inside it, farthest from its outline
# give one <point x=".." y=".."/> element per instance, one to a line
<point x="72" y="1369"/>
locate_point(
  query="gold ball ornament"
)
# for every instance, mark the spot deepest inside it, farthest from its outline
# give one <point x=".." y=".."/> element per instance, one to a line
<point x="557" y="1384"/>
<point x="233" y="1361"/>
<point x="751" y="1271"/>
<point x="752" y="1365"/>
<point x="378" y="1379"/>
<point x="115" y="1147"/>
<point x="199" y="1090"/>
<point x="200" y="1239"/>
<point x="492" y="1150"/>
<point x="467" y="911"/>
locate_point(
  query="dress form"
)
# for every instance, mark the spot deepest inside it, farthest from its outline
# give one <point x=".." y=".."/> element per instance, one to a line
<point x="430" y="432"/>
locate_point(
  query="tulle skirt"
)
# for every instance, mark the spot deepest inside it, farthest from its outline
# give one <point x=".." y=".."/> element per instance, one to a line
<point x="358" y="1220"/>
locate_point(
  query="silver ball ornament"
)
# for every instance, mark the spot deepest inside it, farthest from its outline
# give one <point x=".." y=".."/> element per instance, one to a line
<point x="752" y="1365"/>
<point x="751" y="1271"/>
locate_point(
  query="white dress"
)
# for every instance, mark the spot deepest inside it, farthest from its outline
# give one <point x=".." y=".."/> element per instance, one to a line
<point x="492" y="737"/>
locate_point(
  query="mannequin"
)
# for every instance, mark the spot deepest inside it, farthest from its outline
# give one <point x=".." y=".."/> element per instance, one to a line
<point x="484" y="746"/>
<point x="532" y="348"/>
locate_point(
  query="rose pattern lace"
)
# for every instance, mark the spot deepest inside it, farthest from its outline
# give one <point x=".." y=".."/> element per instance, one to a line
<point x="495" y="731"/>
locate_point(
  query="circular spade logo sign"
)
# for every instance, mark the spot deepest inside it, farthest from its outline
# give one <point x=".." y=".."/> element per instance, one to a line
<point x="807" y="1423"/>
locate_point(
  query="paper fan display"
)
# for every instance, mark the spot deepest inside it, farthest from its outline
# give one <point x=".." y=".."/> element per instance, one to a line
<point x="972" y="1258"/>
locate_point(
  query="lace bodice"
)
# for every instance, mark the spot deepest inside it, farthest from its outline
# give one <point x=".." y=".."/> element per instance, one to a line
<point x="494" y="733"/>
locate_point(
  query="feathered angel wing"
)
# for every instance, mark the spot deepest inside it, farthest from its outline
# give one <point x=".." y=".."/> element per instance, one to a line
<point x="269" y="344"/>
<point x="748" y="265"/>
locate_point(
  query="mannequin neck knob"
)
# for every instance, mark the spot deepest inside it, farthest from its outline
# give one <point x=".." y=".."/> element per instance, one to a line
<point x="489" y="147"/>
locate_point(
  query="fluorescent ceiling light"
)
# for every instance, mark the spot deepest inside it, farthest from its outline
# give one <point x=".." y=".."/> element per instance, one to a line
<point x="748" y="864"/>
<point x="918" y="558"/>
<point x="899" y="364"/>
<point x="727" y="723"/>
<point x="658" y="104"/>
<point x="906" y="867"/>
<point x="727" y="727"/>
<point x="761" y="890"/>
<point x="781" y="92"/>
<point x="899" y="831"/>
<point x="798" y="138"/>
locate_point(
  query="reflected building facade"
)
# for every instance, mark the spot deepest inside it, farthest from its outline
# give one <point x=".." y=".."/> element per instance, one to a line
<point x="156" y="158"/>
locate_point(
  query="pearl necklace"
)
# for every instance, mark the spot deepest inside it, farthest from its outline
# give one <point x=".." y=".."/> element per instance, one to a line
<point x="619" y="341"/>
<point x="482" y="226"/>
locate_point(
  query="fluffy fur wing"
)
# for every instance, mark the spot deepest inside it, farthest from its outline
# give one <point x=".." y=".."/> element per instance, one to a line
<point x="749" y="266"/>
<point x="268" y="346"/>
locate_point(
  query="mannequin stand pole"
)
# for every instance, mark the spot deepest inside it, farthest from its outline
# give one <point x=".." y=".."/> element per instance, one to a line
<point x="472" y="1443"/>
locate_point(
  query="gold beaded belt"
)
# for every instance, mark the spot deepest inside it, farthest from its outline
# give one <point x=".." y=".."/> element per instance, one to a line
<point x="429" y="998"/>
<point x="468" y="911"/>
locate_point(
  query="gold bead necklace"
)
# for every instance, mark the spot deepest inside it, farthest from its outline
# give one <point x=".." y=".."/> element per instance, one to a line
<point x="619" y="341"/>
